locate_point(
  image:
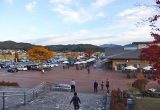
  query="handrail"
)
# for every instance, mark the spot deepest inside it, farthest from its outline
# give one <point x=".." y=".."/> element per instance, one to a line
<point x="33" y="92"/>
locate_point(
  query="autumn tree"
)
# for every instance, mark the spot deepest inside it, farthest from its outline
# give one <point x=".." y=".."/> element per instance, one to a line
<point x="71" y="55"/>
<point x="140" y="84"/>
<point x="89" y="53"/>
<point x="152" y="53"/>
<point x="16" y="56"/>
<point x="40" y="54"/>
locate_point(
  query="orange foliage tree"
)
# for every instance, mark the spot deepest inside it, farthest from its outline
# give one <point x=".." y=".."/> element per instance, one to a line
<point x="89" y="53"/>
<point x="71" y="55"/>
<point x="39" y="53"/>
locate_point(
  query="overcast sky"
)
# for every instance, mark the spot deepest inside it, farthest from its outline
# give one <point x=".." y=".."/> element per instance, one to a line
<point x="51" y="22"/>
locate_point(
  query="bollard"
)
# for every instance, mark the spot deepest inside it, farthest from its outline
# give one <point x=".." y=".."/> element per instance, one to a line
<point x="33" y="94"/>
<point x="24" y="98"/>
<point x="129" y="104"/>
<point x="3" y="100"/>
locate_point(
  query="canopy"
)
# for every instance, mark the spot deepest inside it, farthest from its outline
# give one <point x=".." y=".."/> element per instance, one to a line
<point x="91" y="59"/>
<point x="148" y="68"/>
<point x="77" y="62"/>
<point x="65" y="62"/>
<point x="130" y="67"/>
<point x="83" y="62"/>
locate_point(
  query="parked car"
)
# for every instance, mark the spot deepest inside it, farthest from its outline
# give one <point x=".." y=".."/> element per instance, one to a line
<point x="22" y="68"/>
<point x="12" y="70"/>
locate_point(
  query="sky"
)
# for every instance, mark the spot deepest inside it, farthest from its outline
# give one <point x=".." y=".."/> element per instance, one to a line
<point x="97" y="22"/>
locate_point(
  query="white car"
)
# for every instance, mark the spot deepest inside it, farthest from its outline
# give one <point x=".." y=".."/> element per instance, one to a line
<point x="55" y="65"/>
<point x="22" y="68"/>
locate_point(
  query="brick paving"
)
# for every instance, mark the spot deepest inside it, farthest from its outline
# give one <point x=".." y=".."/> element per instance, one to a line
<point x="84" y="81"/>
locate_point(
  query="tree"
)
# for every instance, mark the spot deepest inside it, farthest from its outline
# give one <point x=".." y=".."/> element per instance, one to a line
<point x="40" y="54"/>
<point x="71" y="55"/>
<point x="140" y="84"/>
<point x="16" y="56"/>
<point x="89" y="53"/>
<point x="152" y="53"/>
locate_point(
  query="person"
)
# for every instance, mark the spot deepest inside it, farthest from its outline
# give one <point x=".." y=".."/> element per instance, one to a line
<point x="102" y="85"/>
<point x="107" y="84"/>
<point x="42" y="70"/>
<point x="88" y="69"/>
<point x="76" y="101"/>
<point x="73" y="83"/>
<point x="95" y="86"/>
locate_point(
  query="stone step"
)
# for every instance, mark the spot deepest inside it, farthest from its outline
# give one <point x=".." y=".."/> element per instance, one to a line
<point x="61" y="100"/>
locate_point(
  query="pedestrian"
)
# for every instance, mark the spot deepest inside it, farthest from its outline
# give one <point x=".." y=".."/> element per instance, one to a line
<point x="107" y="84"/>
<point x="76" y="101"/>
<point x="73" y="83"/>
<point x="42" y="70"/>
<point x="88" y="69"/>
<point x="95" y="86"/>
<point x="102" y="85"/>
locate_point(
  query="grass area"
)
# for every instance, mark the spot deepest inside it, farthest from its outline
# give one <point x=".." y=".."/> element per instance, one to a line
<point x="147" y="103"/>
<point x="10" y="57"/>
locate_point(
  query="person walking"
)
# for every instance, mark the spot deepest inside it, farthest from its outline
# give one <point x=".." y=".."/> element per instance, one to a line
<point x="76" y="101"/>
<point x="107" y="84"/>
<point x="102" y="85"/>
<point x="95" y="86"/>
<point x="88" y="69"/>
<point x="73" y="84"/>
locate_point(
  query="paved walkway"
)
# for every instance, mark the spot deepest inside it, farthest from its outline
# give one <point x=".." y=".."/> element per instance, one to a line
<point x="84" y="81"/>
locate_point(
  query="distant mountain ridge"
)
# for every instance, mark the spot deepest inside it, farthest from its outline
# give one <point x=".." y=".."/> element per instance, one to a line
<point x="62" y="48"/>
<point x="110" y="45"/>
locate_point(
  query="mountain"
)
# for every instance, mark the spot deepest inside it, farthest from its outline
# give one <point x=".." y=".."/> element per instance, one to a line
<point x="61" y="48"/>
<point x="75" y="48"/>
<point x="14" y="45"/>
<point x="129" y="45"/>
<point x="110" y="45"/>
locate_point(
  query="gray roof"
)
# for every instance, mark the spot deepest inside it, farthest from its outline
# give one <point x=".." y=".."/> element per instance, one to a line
<point x="126" y="54"/>
<point x="113" y="51"/>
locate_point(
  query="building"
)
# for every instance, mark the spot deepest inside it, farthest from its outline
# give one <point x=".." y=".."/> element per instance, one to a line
<point x="141" y="45"/>
<point x="119" y="57"/>
<point x="126" y="58"/>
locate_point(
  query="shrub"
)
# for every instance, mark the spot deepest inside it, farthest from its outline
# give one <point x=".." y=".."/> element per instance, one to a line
<point x="140" y="84"/>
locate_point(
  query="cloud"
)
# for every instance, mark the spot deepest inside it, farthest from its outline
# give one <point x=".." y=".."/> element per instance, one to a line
<point x="76" y="12"/>
<point x="60" y="1"/>
<point x="101" y="3"/>
<point x="10" y="2"/>
<point x="30" y="6"/>
<point x="101" y="14"/>
<point x="137" y="14"/>
<point x="70" y="15"/>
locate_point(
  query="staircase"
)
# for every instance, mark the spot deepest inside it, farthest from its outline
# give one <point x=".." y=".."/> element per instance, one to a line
<point x="60" y="101"/>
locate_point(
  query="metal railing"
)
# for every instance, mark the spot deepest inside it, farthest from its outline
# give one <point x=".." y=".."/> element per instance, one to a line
<point x="13" y="98"/>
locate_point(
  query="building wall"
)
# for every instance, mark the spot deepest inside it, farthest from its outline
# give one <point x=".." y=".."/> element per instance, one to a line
<point x="142" y="63"/>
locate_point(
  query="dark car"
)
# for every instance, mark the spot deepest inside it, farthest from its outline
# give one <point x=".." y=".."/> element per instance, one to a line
<point x="12" y="70"/>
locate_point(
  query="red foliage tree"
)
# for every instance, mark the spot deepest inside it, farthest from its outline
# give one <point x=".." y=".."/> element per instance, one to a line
<point x="89" y="53"/>
<point x="152" y="53"/>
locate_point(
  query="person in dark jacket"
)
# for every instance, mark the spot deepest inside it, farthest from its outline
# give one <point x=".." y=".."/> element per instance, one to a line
<point x="95" y="86"/>
<point x="107" y="84"/>
<point x="76" y="101"/>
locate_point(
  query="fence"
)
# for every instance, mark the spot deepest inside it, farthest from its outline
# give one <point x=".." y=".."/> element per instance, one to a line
<point x="16" y="98"/>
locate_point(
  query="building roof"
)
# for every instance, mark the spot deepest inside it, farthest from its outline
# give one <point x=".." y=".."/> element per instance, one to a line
<point x="113" y="51"/>
<point x="148" y="42"/>
<point x="126" y="55"/>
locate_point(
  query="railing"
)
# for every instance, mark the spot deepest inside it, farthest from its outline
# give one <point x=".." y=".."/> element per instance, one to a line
<point x="14" y="98"/>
